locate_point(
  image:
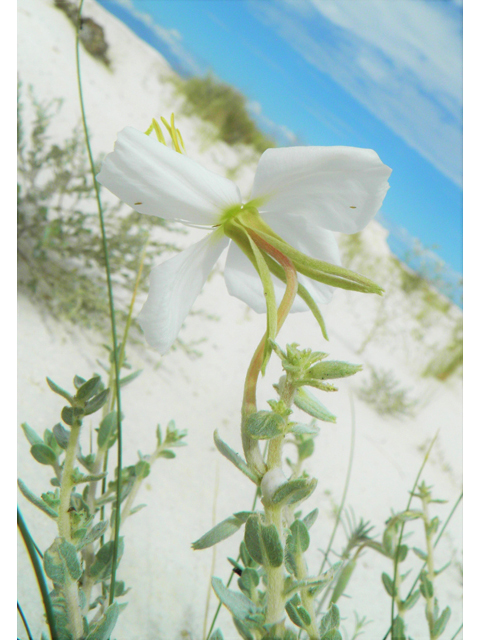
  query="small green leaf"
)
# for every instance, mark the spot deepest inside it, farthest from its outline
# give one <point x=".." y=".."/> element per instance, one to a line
<point x="71" y="415"/>
<point x="103" y="629"/>
<point x="421" y="554"/>
<point x="299" y="429"/>
<point x="305" y="449"/>
<point x="388" y="584"/>
<point x="264" y="425"/>
<point x="301" y="538"/>
<point x="272" y="545"/>
<point x="70" y="558"/>
<point x="441" y="623"/>
<point x="296" y="612"/>
<point x="61" y="435"/>
<point x="426" y="587"/>
<point x="166" y="453"/>
<point x="330" y="621"/>
<point x="402" y="552"/>
<point x="43" y="454"/>
<point x="89" y="388"/>
<point x="310" y="518"/>
<point x="398" y="629"/>
<point x="96" y="402"/>
<point x="343" y="580"/>
<point x="38" y="502"/>
<point x="142" y="469"/>
<point x="332" y="369"/>
<point x="294" y="491"/>
<point x="130" y="378"/>
<point x="58" y="390"/>
<point x="217" y="635"/>
<point x="107" y="431"/>
<point x="31" y="435"/>
<point x="237" y="603"/>
<point x="411" y="601"/>
<point x="234" y="458"/>
<point x="252" y="538"/>
<point x="243" y="630"/>
<point x="102" y="565"/>
<point x="333" y="634"/>
<point x="95" y="532"/>
<point x="249" y="581"/>
<point x="221" y="531"/>
<point x="78" y="381"/>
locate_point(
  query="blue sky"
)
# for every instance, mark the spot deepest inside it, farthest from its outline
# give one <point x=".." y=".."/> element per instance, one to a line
<point x="382" y="74"/>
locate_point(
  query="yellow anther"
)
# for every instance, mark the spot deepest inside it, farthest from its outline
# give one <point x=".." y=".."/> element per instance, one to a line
<point x="158" y="131"/>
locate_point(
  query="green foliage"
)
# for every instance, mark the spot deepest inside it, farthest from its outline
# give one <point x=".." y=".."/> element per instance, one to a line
<point x="60" y="251"/>
<point x="386" y="396"/>
<point x="225" y="107"/>
<point x="449" y="358"/>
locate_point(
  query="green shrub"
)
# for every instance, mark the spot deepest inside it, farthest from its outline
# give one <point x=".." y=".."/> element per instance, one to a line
<point x="225" y="107"/>
<point x="386" y="396"/>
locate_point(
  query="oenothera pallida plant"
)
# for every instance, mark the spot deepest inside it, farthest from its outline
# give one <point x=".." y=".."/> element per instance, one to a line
<point x="282" y="258"/>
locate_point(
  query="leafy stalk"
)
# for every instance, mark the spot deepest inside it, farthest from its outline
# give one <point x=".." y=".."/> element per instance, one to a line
<point x="111" y="308"/>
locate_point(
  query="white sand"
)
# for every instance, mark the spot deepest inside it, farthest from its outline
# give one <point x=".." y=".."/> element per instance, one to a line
<point x="169" y="581"/>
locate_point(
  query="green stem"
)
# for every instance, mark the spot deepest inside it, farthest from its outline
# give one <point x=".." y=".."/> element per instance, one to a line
<point x="395" y="569"/>
<point x="24" y="620"/>
<point x="39" y="574"/>
<point x="430" y="566"/>
<point x="111" y="308"/>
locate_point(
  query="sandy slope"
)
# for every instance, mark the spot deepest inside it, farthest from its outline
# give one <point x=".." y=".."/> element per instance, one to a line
<point x="169" y="581"/>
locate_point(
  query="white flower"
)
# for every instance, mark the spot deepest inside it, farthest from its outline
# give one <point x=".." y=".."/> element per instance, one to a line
<point x="303" y="194"/>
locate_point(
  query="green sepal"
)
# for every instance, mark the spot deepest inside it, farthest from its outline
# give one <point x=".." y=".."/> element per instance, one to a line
<point x="222" y="530"/>
<point x="96" y="402"/>
<point x="31" y="435"/>
<point x="237" y="603"/>
<point x="277" y="271"/>
<point x="104" y="627"/>
<point x="441" y="623"/>
<point x="264" y="425"/>
<point x="235" y="458"/>
<point x="43" y="454"/>
<point x="294" y="491"/>
<point x="320" y="271"/>
<point x="88" y="389"/>
<point x="59" y="391"/>
<point x="38" y="502"/>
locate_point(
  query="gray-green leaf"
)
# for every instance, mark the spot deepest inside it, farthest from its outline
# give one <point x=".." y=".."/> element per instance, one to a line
<point x="264" y="425"/>
<point x="222" y="530"/>
<point x="237" y="603"/>
<point x="234" y="458"/>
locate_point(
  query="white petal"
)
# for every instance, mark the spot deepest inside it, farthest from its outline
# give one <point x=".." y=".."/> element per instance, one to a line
<point x="244" y="282"/>
<point x="338" y="188"/>
<point x="155" y="180"/>
<point x="174" y="286"/>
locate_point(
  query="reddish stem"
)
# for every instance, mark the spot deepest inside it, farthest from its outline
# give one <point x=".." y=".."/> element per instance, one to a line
<point x="250" y="446"/>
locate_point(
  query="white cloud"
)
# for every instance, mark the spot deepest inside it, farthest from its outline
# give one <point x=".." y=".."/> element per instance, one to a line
<point x="171" y="37"/>
<point x="277" y="130"/>
<point x="401" y="59"/>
